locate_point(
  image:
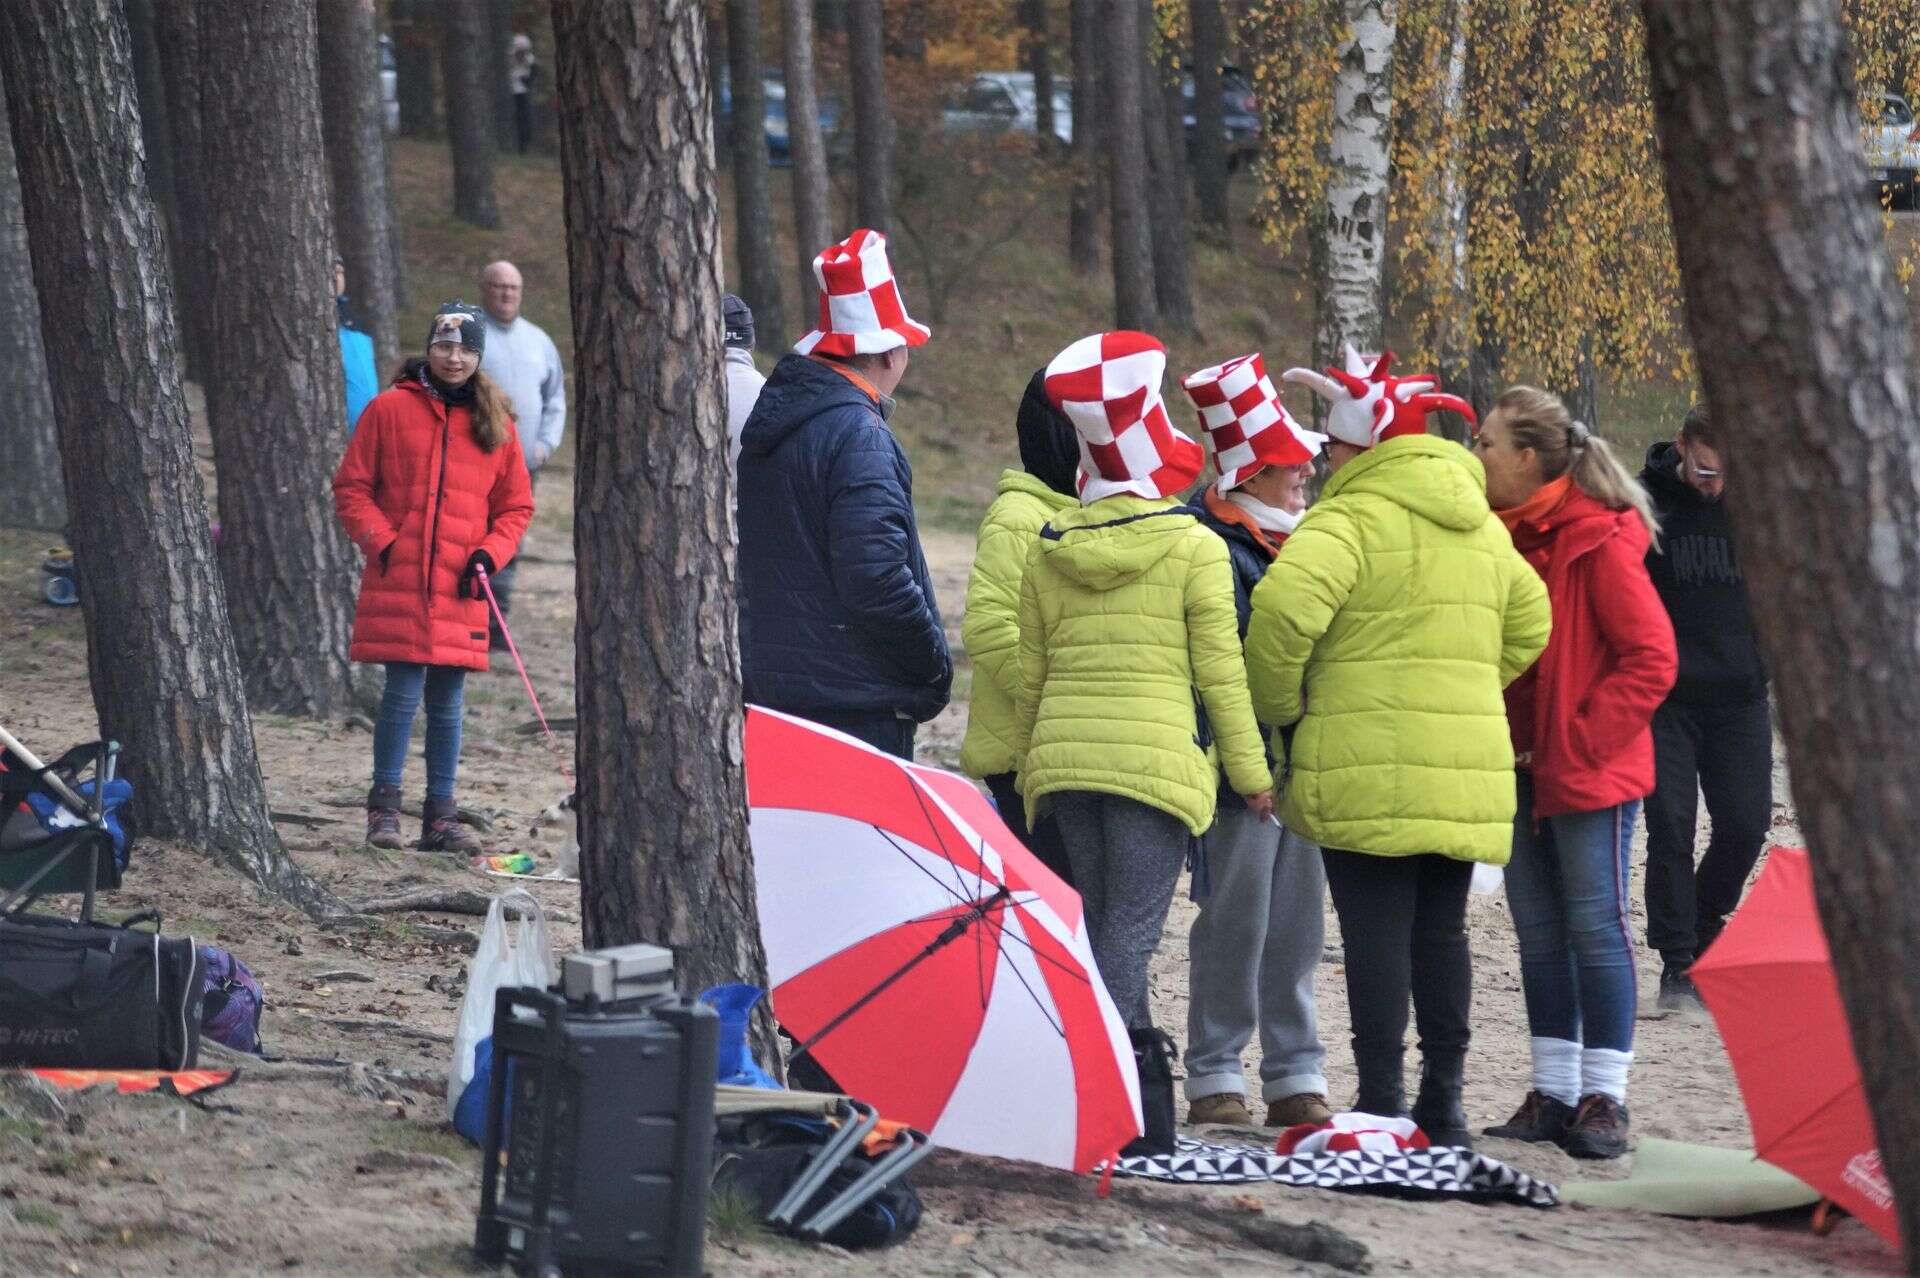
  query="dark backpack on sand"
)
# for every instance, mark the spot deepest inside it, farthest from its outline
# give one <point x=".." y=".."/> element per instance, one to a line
<point x="95" y="996"/>
<point x="232" y="1001"/>
<point x="759" y="1157"/>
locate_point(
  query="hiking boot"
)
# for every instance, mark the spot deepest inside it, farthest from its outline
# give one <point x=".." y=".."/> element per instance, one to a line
<point x="1437" y="1109"/>
<point x="1599" y="1128"/>
<point x="441" y="830"/>
<point x="1540" y="1119"/>
<point x="1222" y="1109"/>
<point x="1301" y="1107"/>
<point x="1677" y="992"/>
<point x="383" y="818"/>
<point x="1383" y="1088"/>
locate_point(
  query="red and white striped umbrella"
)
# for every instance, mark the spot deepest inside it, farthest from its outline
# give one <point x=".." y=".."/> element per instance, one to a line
<point x="940" y="972"/>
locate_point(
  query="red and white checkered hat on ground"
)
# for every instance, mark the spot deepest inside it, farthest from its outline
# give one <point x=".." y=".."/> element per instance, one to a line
<point x="1108" y="385"/>
<point x="1347" y="1132"/>
<point x="860" y="308"/>
<point x="1245" y="423"/>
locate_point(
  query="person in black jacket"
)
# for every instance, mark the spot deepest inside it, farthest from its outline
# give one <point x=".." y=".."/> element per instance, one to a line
<point x="838" y="622"/>
<point x="1713" y="736"/>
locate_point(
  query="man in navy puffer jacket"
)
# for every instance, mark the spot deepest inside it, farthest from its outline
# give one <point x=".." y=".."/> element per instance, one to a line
<point x="838" y="622"/>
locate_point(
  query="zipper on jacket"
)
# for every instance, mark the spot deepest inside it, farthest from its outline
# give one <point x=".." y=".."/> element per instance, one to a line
<point x="439" y="499"/>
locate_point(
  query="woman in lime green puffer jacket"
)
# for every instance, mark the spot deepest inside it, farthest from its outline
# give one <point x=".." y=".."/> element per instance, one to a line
<point x="1387" y="628"/>
<point x="991" y="627"/>
<point x="1127" y="626"/>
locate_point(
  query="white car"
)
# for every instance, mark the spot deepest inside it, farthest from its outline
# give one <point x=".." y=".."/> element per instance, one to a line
<point x="1005" y="102"/>
<point x="1893" y="149"/>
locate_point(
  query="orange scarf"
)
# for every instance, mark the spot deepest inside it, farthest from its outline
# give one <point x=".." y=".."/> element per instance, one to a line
<point x="1535" y="509"/>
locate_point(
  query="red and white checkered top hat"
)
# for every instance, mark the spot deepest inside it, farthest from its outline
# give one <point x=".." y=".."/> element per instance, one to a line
<point x="1108" y="385"/>
<point x="860" y="308"/>
<point x="1245" y="423"/>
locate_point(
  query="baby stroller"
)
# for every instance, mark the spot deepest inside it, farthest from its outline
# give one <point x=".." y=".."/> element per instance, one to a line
<point x="60" y="828"/>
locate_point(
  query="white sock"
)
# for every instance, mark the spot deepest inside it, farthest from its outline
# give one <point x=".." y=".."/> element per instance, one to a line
<point x="1556" y="1069"/>
<point x="1604" y="1070"/>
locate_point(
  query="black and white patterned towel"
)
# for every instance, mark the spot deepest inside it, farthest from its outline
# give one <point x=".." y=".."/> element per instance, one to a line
<point x="1415" y="1172"/>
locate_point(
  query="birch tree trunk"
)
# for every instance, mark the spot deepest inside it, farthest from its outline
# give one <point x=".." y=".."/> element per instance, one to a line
<point x="759" y="274"/>
<point x="1083" y="208"/>
<point x="351" y="116"/>
<point x="663" y="805"/>
<point x="1121" y="64"/>
<point x="1454" y="318"/>
<point x="872" y="121"/>
<point x="1353" y="236"/>
<point x="812" y="220"/>
<point x="32" y="493"/>
<point x="1790" y="297"/>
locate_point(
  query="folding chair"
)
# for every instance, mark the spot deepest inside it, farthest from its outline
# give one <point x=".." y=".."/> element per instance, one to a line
<point x="69" y="849"/>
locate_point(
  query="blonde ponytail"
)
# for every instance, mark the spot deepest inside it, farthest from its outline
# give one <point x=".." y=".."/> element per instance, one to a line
<point x="1538" y="420"/>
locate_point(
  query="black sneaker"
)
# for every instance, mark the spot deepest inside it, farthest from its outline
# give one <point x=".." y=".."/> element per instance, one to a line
<point x="1599" y="1128"/>
<point x="1540" y="1119"/>
<point x="1677" y="992"/>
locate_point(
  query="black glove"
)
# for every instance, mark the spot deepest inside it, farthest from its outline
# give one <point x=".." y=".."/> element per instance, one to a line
<point x="470" y="579"/>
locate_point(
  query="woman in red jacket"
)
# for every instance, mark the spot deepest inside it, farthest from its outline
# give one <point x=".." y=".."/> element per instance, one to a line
<point x="1581" y="733"/>
<point x="434" y="490"/>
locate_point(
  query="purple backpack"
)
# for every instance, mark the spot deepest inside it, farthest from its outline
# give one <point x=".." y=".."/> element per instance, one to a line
<point x="230" y="1011"/>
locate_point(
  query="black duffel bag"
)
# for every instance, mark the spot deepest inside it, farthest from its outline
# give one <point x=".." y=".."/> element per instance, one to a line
<point x="97" y="996"/>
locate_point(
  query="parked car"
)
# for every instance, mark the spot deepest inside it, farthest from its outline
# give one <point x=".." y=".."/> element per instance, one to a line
<point x="1241" y="115"/>
<point x="779" y="152"/>
<point x="1005" y="102"/>
<point x="1893" y="150"/>
<point x="389" y="86"/>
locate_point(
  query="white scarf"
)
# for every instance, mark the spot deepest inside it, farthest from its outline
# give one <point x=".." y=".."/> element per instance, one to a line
<point x="1269" y="518"/>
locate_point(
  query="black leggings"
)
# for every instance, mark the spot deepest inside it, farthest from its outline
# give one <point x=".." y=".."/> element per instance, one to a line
<point x="1403" y="921"/>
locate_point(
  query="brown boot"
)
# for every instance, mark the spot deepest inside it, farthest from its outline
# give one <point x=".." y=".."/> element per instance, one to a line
<point x="383" y="817"/>
<point x="441" y="831"/>
<point x="1302" y="1107"/>
<point x="1222" y="1109"/>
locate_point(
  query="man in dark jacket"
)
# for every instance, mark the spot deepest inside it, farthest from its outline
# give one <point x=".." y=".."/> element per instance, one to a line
<point x="1713" y="736"/>
<point x="838" y="622"/>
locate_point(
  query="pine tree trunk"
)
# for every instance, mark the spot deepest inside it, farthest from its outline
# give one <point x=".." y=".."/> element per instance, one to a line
<point x="663" y="834"/>
<point x="356" y="141"/>
<point x="155" y="135"/>
<point x="759" y="276"/>
<point x="872" y="121"/>
<point x="499" y="20"/>
<point x="465" y="66"/>
<point x="177" y="30"/>
<point x="416" y="39"/>
<point x="1036" y="51"/>
<point x="1209" y="157"/>
<point x="1354" y="233"/>
<point x="274" y="393"/>
<point x="1166" y="187"/>
<point x="32" y="493"/>
<point x="1083" y="206"/>
<point x="1120" y="102"/>
<point x="165" y="678"/>
<point x="1790" y="296"/>
<point x="812" y="216"/>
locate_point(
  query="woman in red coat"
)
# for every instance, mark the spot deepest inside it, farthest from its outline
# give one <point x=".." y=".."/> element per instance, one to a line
<point x="433" y="489"/>
<point x="1581" y="733"/>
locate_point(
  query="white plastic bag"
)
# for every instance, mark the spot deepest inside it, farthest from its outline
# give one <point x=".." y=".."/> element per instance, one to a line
<point x="1487" y="879"/>
<point x="510" y="954"/>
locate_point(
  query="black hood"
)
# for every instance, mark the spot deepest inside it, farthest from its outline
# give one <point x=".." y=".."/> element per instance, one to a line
<point x="1049" y="449"/>
<point x="799" y="390"/>
<point x="1662" y="478"/>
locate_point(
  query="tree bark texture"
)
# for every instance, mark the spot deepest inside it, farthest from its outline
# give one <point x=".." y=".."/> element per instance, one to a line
<point x="465" y="67"/>
<point x="274" y="391"/>
<point x="1353" y="235"/>
<point x="416" y="41"/>
<point x="1166" y="186"/>
<point x="663" y="834"/>
<point x="32" y="494"/>
<point x="1036" y="51"/>
<point x="1209" y="26"/>
<point x="154" y="133"/>
<point x="1790" y="296"/>
<point x="177" y="32"/>
<point x="166" y="681"/>
<point x="1083" y="200"/>
<point x="499" y="20"/>
<point x="759" y="272"/>
<point x="872" y="121"/>
<point x="1454" y="319"/>
<point x="356" y="140"/>
<point x="812" y="216"/>
<point x="1121" y="63"/>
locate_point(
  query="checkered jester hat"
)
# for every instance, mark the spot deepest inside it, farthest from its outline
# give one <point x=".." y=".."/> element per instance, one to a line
<point x="1108" y="385"/>
<point x="861" y="312"/>
<point x="1246" y="425"/>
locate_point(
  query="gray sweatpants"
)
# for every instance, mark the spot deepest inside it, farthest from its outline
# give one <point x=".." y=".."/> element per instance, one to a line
<point x="1126" y="859"/>
<point x="1251" y="960"/>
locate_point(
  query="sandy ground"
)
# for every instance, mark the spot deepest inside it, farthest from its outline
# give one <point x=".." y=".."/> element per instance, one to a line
<point x="324" y="1169"/>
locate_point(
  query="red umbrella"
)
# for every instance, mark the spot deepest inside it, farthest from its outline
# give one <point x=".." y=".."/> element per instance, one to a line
<point x="925" y="958"/>
<point x="1769" y="982"/>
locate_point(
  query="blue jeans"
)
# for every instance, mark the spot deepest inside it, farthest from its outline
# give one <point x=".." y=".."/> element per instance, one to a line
<point x="445" y="686"/>
<point x="1567" y="888"/>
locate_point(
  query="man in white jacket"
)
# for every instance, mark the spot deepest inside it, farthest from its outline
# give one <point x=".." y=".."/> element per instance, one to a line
<point x="743" y="379"/>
